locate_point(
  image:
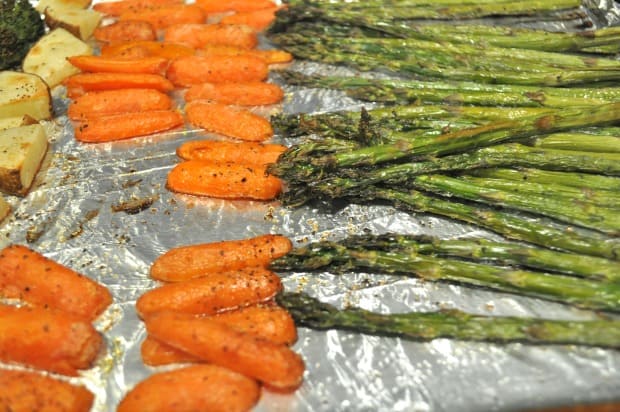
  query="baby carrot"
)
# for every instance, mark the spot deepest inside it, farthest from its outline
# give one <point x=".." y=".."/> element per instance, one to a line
<point x="218" y="6"/>
<point x="187" y="262"/>
<point x="228" y="121"/>
<point x="166" y="16"/>
<point x="221" y="151"/>
<point x="276" y="365"/>
<point x="39" y="281"/>
<point x="116" y="8"/>
<point x="240" y="94"/>
<point x="145" y="48"/>
<point x="259" y="20"/>
<point x="49" y="340"/>
<point x="193" y="388"/>
<point x="126" y="30"/>
<point x="211" y="293"/>
<point x="108" y="102"/>
<point x="223" y="180"/>
<point x="144" y="65"/>
<point x="109" y="128"/>
<point x="198" y="35"/>
<point x="30" y="391"/>
<point x="270" y="56"/>
<point x="156" y="353"/>
<point x="190" y="70"/>
<point x="81" y="83"/>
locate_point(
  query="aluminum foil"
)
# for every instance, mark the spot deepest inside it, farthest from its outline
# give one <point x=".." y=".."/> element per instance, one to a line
<point x="71" y="216"/>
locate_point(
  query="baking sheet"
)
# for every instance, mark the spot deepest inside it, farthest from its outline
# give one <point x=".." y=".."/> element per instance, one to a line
<point x="69" y="216"/>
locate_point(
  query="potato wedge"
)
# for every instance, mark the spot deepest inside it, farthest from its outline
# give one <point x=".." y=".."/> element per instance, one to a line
<point x="5" y="209"/>
<point x="79" y="22"/>
<point x="24" y="94"/>
<point x="22" y="150"/>
<point x="16" y="121"/>
<point x="48" y="57"/>
<point x="57" y="4"/>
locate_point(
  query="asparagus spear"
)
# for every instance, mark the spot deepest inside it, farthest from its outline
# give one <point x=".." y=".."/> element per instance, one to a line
<point x="584" y="141"/>
<point x="311" y="313"/>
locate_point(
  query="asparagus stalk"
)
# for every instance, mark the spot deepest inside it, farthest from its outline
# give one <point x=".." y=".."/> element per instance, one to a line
<point x="584" y="141"/>
<point x="311" y="313"/>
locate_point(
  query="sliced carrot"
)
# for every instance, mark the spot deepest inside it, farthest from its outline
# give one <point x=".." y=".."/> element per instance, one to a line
<point x="199" y="35"/>
<point x="212" y="293"/>
<point x="121" y="126"/>
<point x="190" y="70"/>
<point x="49" y="340"/>
<point x="193" y="388"/>
<point x="228" y="121"/>
<point x="241" y="94"/>
<point x="146" y="48"/>
<point x="275" y="365"/>
<point x="270" y="56"/>
<point x="220" y="151"/>
<point x="123" y="31"/>
<point x="259" y="20"/>
<point x="219" y="6"/>
<point x="156" y="353"/>
<point x="30" y="391"/>
<point x="116" y="8"/>
<point x="93" y="104"/>
<point x="144" y="65"/>
<point x="166" y="16"/>
<point x="81" y="83"/>
<point x="39" y="281"/>
<point x="188" y="262"/>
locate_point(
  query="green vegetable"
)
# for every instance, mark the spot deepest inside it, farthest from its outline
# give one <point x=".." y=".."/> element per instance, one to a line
<point x="20" y="26"/>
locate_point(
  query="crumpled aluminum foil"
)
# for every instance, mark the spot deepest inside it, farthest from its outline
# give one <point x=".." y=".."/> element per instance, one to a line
<point x="70" y="217"/>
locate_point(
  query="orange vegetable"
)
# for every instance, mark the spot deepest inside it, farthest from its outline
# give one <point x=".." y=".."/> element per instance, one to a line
<point x="93" y="104"/>
<point x="165" y="16"/>
<point x="199" y="35"/>
<point x="220" y="151"/>
<point x="190" y="70"/>
<point x="188" y="262"/>
<point x="22" y="391"/>
<point x="270" y="56"/>
<point x="39" y="281"/>
<point x="241" y="94"/>
<point x="276" y="365"/>
<point x="228" y="121"/>
<point x="108" y="128"/>
<point x="145" y="65"/>
<point x="259" y="20"/>
<point x="212" y="292"/>
<point x="193" y="388"/>
<point x="126" y="30"/>
<point x="218" y="6"/>
<point x="145" y="48"/>
<point x="116" y="8"/>
<point x="81" y="83"/>
<point x="49" y="340"/>
<point x="156" y="353"/>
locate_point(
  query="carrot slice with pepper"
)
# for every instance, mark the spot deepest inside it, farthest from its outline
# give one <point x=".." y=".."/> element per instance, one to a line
<point x="270" y="56"/>
<point x="49" y="340"/>
<point x="123" y="31"/>
<point x="109" y="128"/>
<point x="259" y="20"/>
<point x="144" y="48"/>
<point x="108" y="102"/>
<point x="198" y="35"/>
<point x="218" y="6"/>
<point x="193" y="388"/>
<point x="228" y="121"/>
<point x="116" y="8"/>
<point x="144" y="65"/>
<point x="81" y="83"/>
<point x="276" y="365"/>
<point x="241" y="94"/>
<point x="190" y="70"/>
<point x="187" y="262"/>
<point x="211" y="293"/>
<point x="30" y="391"/>
<point x="221" y="151"/>
<point x="166" y="16"/>
<point x="31" y="277"/>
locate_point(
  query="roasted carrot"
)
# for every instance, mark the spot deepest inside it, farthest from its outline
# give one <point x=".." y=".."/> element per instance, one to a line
<point x="123" y="31"/>
<point x="144" y="48"/>
<point x="218" y="6"/>
<point x="99" y="64"/>
<point x="199" y="35"/>
<point x="121" y="126"/>
<point x="156" y="353"/>
<point x="116" y="8"/>
<point x="276" y="365"/>
<point x="166" y="16"/>
<point x="39" y="281"/>
<point x="259" y="20"/>
<point x="221" y="151"/>
<point x="240" y="94"/>
<point x="190" y="70"/>
<point x="212" y="292"/>
<point x="193" y="388"/>
<point x="228" y="121"/>
<point x="93" y="104"/>
<point x="188" y="262"/>
<point x="50" y="340"/>
<point x="81" y="83"/>
<point x="23" y="391"/>
<point x="269" y="56"/>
